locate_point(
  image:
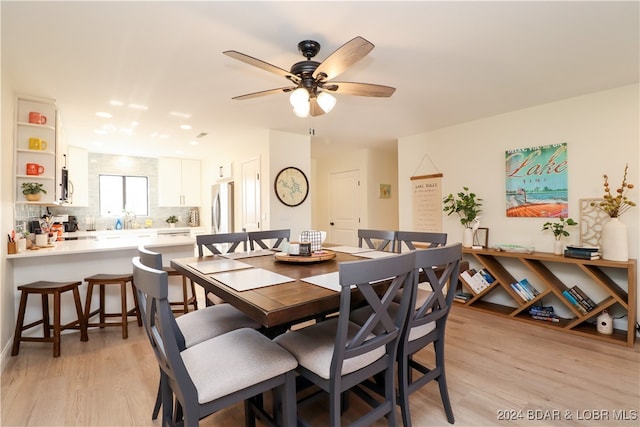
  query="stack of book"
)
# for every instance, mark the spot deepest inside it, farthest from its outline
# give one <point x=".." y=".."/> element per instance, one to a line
<point x="582" y="252"/>
<point x="547" y="314"/>
<point x="477" y="280"/>
<point x="525" y="290"/>
<point x="579" y="299"/>
<point x="462" y="296"/>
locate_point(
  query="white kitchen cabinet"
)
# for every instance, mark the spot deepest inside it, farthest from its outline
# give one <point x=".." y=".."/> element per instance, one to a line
<point x="178" y="182"/>
<point x="35" y="144"/>
<point x="78" y="166"/>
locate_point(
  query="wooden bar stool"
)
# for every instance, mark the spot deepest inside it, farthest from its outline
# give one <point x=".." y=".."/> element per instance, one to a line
<point x="45" y="289"/>
<point x="102" y="280"/>
<point x="186" y="299"/>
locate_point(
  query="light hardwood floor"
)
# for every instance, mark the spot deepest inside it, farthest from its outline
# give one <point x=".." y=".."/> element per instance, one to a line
<point x="496" y="368"/>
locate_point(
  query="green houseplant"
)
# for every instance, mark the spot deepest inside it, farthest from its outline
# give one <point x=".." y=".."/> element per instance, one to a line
<point x="172" y="220"/>
<point x="32" y="190"/>
<point x="466" y="204"/>
<point x="558" y="231"/>
<point x="468" y="208"/>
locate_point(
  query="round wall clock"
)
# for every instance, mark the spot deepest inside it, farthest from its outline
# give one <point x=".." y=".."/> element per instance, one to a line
<point x="291" y="186"/>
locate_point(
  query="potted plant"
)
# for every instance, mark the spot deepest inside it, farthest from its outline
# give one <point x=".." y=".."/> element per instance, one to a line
<point x="468" y="207"/>
<point x="32" y="190"/>
<point x="172" y="221"/>
<point x="558" y="232"/>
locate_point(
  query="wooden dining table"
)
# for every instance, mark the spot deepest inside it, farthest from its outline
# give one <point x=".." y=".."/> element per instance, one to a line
<point x="277" y="306"/>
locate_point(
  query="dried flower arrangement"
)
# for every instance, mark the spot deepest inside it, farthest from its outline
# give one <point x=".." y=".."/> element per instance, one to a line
<point x="614" y="206"/>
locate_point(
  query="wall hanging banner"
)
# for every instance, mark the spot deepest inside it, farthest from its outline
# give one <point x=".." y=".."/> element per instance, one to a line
<point x="537" y="182"/>
<point x="427" y="202"/>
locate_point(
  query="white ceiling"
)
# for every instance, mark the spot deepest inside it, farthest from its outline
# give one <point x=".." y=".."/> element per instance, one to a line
<point x="451" y="62"/>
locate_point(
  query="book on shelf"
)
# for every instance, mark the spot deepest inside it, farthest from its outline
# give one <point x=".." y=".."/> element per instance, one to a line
<point x="548" y="319"/>
<point x="575" y="253"/>
<point x="583" y="298"/>
<point x="538" y="309"/>
<point x="462" y="296"/>
<point x="529" y="288"/>
<point x="477" y="280"/>
<point x="521" y="292"/>
<point x="573" y="301"/>
<point x="584" y="248"/>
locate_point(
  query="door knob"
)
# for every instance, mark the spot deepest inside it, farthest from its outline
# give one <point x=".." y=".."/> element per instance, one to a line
<point x="331" y="223"/>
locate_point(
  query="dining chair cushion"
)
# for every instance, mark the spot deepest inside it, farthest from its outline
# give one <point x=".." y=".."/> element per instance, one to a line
<point x="314" y="346"/>
<point x="421" y="297"/>
<point x="200" y="325"/>
<point x="360" y="315"/>
<point x="234" y="361"/>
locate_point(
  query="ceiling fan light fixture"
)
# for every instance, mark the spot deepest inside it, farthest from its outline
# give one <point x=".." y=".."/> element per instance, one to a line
<point x="299" y="97"/>
<point x="302" y="110"/>
<point x="326" y="101"/>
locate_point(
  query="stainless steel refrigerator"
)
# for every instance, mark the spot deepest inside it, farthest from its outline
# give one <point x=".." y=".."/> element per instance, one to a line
<point x="222" y="207"/>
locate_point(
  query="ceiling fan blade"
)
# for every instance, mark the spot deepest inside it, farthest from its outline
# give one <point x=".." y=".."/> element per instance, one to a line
<point x="265" y="92"/>
<point x="261" y="64"/>
<point x="343" y="57"/>
<point x="315" y="109"/>
<point x="359" y="89"/>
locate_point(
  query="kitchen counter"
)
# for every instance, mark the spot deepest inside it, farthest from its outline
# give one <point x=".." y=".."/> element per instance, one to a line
<point x="84" y="246"/>
<point x="73" y="260"/>
<point x="133" y="232"/>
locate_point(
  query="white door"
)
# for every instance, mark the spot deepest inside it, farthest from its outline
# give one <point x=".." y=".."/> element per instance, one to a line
<point x="344" y="201"/>
<point x="250" y="171"/>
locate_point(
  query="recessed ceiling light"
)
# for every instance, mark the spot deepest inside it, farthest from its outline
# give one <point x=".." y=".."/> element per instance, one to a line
<point x="185" y="127"/>
<point x="134" y="124"/>
<point x="181" y="115"/>
<point x="116" y="103"/>
<point x="138" y="107"/>
<point x="104" y="115"/>
<point x="193" y="142"/>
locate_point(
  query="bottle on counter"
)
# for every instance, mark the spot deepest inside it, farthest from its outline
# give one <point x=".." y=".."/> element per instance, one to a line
<point x="118" y="224"/>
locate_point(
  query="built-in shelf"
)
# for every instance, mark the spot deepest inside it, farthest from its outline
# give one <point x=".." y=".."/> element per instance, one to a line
<point x="541" y="265"/>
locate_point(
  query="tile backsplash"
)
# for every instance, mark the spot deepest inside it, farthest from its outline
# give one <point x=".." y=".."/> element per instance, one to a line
<point x="115" y="165"/>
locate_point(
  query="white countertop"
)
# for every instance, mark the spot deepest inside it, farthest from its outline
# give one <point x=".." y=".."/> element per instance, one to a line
<point x="130" y="231"/>
<point x="71" y="247"/>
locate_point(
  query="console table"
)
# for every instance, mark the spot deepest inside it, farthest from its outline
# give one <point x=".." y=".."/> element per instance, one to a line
<point x="541" y="264"/>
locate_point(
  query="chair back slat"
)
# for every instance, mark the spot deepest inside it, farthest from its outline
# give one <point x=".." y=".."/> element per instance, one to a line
<point x="259" y="237"/>
<point x="210" y="240"/>
<point x="397" y="273"/>
<point x="443" y="281"/>
<point x="408" y="238"/>
<point x="377" y="239"/>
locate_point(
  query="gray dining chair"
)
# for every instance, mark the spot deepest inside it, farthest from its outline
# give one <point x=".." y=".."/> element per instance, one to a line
<point x="337" y="354"/>
<point x="378" y="240"/>
<point x="275" y="237"/>
<point x="194" y="382"/>
<point x="219" y="244"/>
<point x="198" y="326"/>
<point x="429" y="239"/>
<point x="213" y="242"/>
<point x="427" y="325"/>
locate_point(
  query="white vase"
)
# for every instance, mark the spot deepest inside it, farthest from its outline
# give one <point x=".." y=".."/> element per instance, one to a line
<point x="557" y="247"/>
<point x="467" y="238"/>
<point x="613" y="241"/>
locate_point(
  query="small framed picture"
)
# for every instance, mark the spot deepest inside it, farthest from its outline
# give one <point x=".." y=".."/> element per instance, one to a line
<point x="385" y="191"/>
<point x="481" y="237"/>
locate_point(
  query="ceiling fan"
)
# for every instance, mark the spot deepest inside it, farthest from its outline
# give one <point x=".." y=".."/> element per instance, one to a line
<point x="312" y="80"/>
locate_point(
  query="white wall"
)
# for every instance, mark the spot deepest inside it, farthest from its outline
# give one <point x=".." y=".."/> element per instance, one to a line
<point x="602" y="135"/>
<point x="7" y="311"/>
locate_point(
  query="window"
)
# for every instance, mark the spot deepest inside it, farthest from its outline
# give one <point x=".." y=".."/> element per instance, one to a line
<point x="120" y="192"/>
